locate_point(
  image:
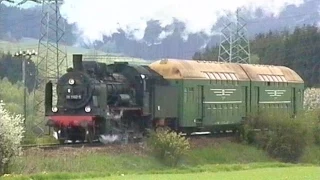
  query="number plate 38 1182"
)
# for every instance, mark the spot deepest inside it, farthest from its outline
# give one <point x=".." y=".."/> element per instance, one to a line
<point x="73" y="96"/>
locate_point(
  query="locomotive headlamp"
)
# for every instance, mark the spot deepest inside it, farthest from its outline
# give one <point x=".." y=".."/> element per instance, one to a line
<point x="87" y="109"/>
<point x="71" y="81"/>
<point x="54" y="109"/>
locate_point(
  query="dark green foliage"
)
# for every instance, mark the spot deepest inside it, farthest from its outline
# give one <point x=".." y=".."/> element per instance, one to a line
<point x="298" y="50"/>
<point x="317" y="133"/>
<point x="281" y="137"/>
<point x="208" y="54"/>
<point x="168" y="146"/>
<point x="11" y="68"/>
<point x="316" y="127"/>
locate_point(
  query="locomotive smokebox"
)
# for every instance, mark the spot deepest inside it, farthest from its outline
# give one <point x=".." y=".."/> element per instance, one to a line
<point x="77" y="62"/>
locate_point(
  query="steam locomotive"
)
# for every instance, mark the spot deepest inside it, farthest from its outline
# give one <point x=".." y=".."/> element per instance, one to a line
<point x="96" y="101"/>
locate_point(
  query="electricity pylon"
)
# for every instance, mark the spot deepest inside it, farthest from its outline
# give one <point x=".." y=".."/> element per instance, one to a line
<point x="234" y="45"/>
<point x="52" y="57"/>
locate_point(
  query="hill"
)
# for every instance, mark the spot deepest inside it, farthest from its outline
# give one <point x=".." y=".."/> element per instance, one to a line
<point x="100" y="56"/>
<point x="150" y="47"/>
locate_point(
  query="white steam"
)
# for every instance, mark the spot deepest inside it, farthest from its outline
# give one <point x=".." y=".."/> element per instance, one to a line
<point x="104" y="17"/>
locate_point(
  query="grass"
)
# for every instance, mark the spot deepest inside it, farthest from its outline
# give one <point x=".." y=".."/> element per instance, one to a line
<point x="225" y="171"/>
<point x="293" y="173"/>
<point x="226" y="153"/>
<point x="136" y="160"/>
<point x="311" y="155"/>
<point x="215" y="158"/>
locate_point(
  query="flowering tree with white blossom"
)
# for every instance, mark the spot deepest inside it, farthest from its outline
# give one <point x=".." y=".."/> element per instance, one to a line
<point x="11" y="134"/>
<point x="312" y="98"/>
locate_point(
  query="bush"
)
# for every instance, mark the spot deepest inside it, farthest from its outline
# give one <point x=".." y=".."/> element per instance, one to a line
<point x="314" y="116"/>
<point x="311" y="105"/>
<point x="168" y="146"/>
<point x="282" y="137"/>
<point x="11" y="134"/>
<point x="317" y="133"/>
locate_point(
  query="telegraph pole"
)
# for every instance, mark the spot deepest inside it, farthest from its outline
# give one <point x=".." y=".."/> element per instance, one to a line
<point x="234" y="45"/>
<point x="23" y="55"/>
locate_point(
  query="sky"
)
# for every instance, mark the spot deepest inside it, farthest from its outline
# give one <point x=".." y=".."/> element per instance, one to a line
<point x="103" y="17"/>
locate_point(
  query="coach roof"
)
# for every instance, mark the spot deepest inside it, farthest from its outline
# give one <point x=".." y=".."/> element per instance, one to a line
<point x="270" y="73"/>
<point x="192" y="69"/>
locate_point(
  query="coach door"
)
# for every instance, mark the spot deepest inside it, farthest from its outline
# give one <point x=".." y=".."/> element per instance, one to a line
<point x="200" y="105"/>
<point x="244" y="101"/>
<point x="166" y="107"/>
<point x="294" y="101"/>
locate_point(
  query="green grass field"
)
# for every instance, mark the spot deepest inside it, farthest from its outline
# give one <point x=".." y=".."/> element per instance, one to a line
<point x="250" y="171"/>
<point x="221" y="159"/>
<point x="292" y="173"/>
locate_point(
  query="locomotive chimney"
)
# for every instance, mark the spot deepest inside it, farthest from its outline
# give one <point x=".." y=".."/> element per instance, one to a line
<point x="77" y="62"/>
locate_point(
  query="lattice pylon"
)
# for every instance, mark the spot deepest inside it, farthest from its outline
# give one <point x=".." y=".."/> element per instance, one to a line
<point x="52" y="57"/>
<point x="234" y="45"/>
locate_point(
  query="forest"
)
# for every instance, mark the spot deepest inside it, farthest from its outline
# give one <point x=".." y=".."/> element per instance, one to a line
<point x="298" y="50"/>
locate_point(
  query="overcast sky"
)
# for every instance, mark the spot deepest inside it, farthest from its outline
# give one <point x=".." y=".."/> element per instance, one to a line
<point x="97" y="17"/>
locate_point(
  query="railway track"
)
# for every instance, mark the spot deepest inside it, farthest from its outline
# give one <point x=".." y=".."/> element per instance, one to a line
<point x="55" y="146"/>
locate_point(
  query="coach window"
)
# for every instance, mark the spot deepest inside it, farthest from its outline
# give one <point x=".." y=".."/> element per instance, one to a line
<point x="234" y="79"/>
<point x="191" y="94"/>
<point x="188" y="94"/>
<point x="185" y="95"/>
<point x="224" y="78"/>
<point x="217" y="77"/>
<point x="229" y="79"/>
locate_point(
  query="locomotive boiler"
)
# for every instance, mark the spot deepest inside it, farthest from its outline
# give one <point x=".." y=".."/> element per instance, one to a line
<point x="95" y="100"/>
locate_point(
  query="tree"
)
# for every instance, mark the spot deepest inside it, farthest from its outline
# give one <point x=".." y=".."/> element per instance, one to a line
<point x="11" y="134"/>
<point x="11" y="68"/>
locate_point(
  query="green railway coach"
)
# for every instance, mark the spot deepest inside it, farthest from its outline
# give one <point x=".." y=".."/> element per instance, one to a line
<point x="207" y="95"/>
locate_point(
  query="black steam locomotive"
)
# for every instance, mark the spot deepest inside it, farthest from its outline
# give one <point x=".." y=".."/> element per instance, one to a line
<point x="96" y="99"/>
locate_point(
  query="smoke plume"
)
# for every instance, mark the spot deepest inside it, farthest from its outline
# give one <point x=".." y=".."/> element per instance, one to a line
<point x="96" y="18"/>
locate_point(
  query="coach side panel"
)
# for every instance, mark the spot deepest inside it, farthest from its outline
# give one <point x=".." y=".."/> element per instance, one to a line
<point x="207" y="103"/>
<point x="277" y="97"/>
